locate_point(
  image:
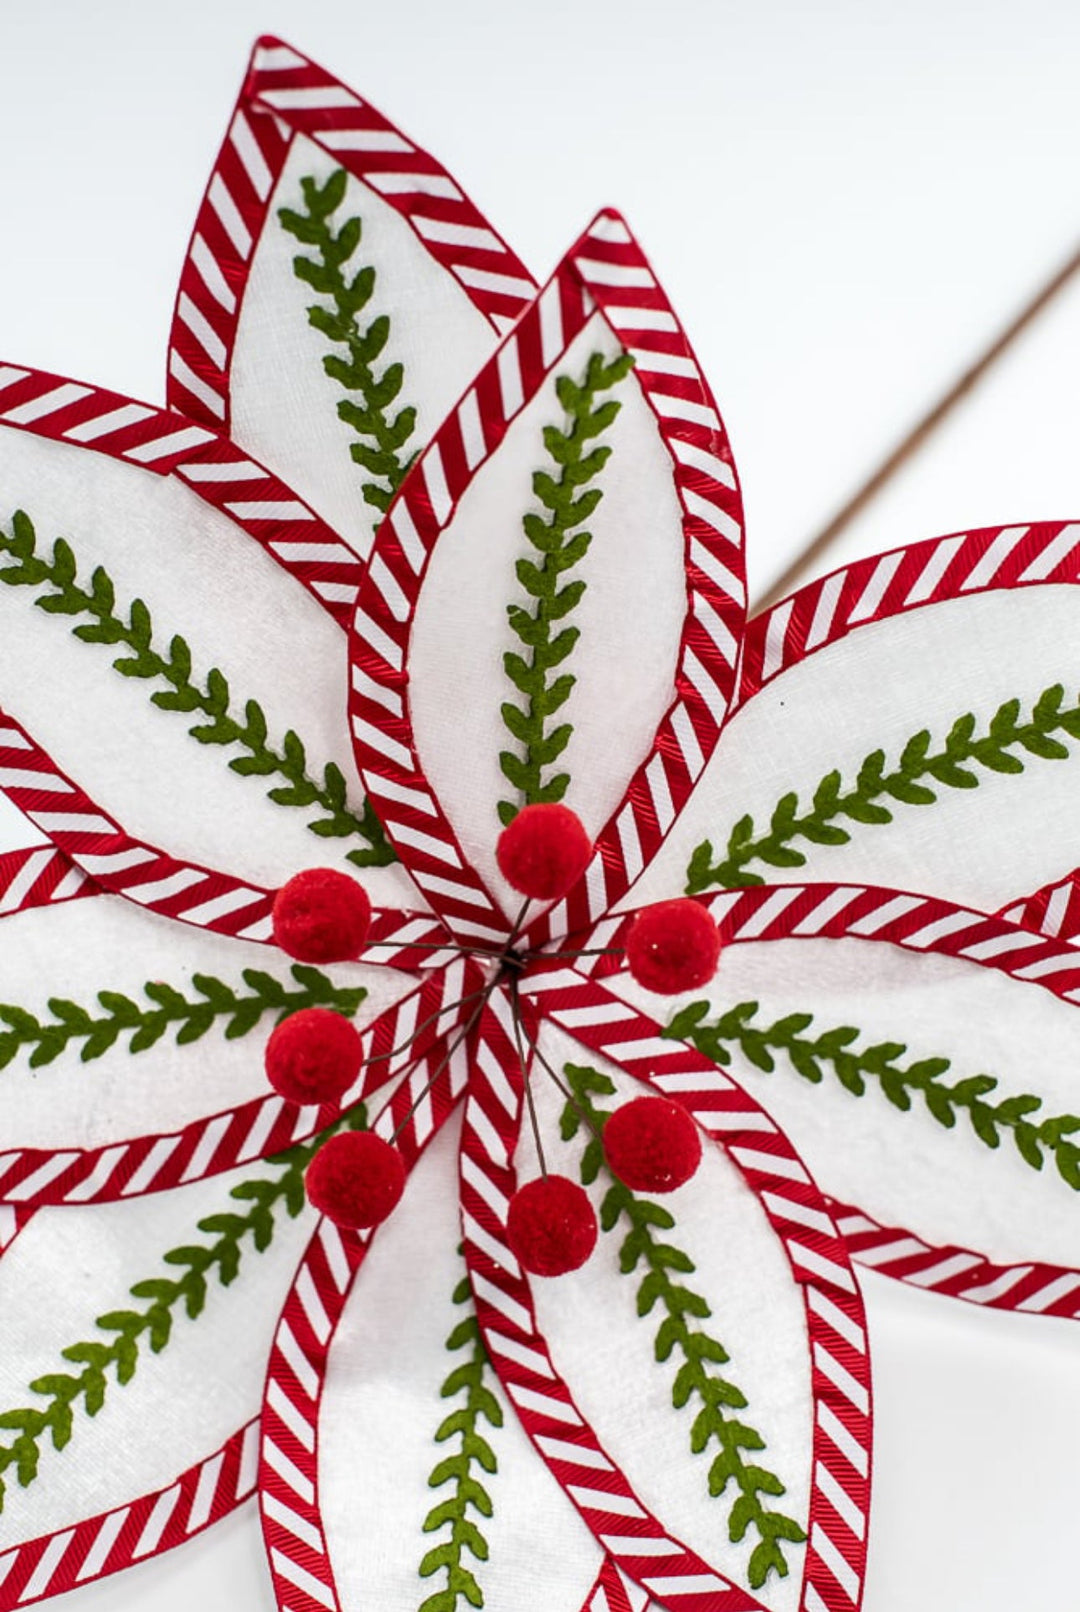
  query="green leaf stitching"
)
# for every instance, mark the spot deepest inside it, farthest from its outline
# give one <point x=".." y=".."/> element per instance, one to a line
<point x="211" y="702"/>
<point x="151" y="1323"/>
<point x="916" y="780"/>
<point x="855" y="1067"/>
<point x="380" y="450"/>
<point x="719" y="1398"/>
<point x="473" y="1452"/>
<point x="146" y="1025"/>
<point x="560" y="548"/>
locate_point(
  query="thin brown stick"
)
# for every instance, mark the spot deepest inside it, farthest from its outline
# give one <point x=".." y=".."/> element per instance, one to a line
<point x="909" y="445"/>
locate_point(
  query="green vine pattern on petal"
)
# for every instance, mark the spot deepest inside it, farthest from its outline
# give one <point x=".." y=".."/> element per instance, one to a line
<point x="169" y="1007"/>
<point x="151" y="1324"/>
<point x="460" y="1469"/>
<point x="211" y="700"/>
<point x="569" y="501"/>
<point x="380" y="450"/>
<point x="854" y="1067"/>
<point x="911" y="782"/>
<point x="697" y="1377"/>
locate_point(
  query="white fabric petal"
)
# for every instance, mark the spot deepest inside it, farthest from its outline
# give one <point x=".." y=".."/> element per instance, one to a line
<point x="201" y="576"/>
<point x="874" y="690"/>
<point x="906" y="1169"/>
<point x="244" y="354"/>
<point x="75" y="950"/>
<point x="71" y="1265"/>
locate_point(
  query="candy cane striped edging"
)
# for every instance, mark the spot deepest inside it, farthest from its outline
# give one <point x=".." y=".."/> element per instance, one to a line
<point x="840" y="1382"/>
<point x="959" y="1273"/>
<point x="99" y="1546"/>
<point x="1053" y="911"/>
<point x="93" y="846"/>
<point x="115" y="861"/>
<point x="872" y="913"/>
<point x="635" y="1539"/>
<point x="38" y="877"/>
<point x="903" y="579"/>
<point x="164" y="443"/>
<point x="296" y="1546"/>
<point x="613" y="1593"/>
<point x="13" y="1218"/>
<point x="257" y="1129"/>
<point x="284" y="94"/>
<point x="605" y="269"/>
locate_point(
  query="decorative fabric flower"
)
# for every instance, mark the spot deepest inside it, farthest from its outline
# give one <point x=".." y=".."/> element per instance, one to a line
<point x="415" y="546"/>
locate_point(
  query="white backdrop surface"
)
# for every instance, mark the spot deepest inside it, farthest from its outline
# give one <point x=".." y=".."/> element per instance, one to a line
<point x="844" y="202"/>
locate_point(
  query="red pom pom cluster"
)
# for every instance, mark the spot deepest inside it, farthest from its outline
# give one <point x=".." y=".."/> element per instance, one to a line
<point x="652" y="1145"/>
<point x="321" y="916"/>
<point x="356" y="1179"/>
<point x="550" y="1226"/>
<point x="673" y="946"/>
<point x="543" y="851"/>
<point x="313" y="1056"/>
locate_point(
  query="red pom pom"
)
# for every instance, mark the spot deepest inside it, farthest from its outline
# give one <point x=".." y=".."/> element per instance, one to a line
<point x="652" y="1145"/>
<point x="551" y="1226"/>
<point x="321" y="916"/>
<point x="313" y="1056"/>
<point x="543" y="851"/>
<point x="673" y="946"/>
<point x="355" y="1179"/>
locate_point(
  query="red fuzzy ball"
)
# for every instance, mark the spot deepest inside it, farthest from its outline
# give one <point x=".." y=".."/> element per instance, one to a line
<point x="313" y="1056"/>
<point x="543" y="851"/>
<point x="355" y="1179"/>
<point x="652" y="1145"/>
<point x="673" y="946"/>
<point x="551" y="1226"/>
<point x="321" y="916"/>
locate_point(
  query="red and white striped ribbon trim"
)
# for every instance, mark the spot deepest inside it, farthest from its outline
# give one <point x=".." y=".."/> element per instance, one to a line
<point x="871" y="912"/>
<point x="635" y="1539"/>
<point x="284" y="93"/>
<point x="613" y="1593"/>
<point x="91" y="1549"/>
<point x="819" y="1263"/>
<point x="13" y="1217"/>
<point x="904" y="579"/>
<point x="288" y="1474"/>
<point x="33" y="1177"/>
<point x="1036" y="1288"/>
<point x="37" y="877"/>
<point x="1053" y="910"/>
<point x="165" y="443"/>
<point x="89" y="845"/>
<point x="604" y="269"/>
<point x="101" y="849"/>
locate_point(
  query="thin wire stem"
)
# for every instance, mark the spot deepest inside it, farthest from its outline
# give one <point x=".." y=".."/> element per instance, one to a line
<point x="382" y="1057"/>
<point x="582" y="1113"/>
<point x="443" y="1061"/>
<point x="519" y="1029"/>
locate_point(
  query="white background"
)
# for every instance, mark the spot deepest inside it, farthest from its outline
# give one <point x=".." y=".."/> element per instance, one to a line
<point x="844" y="201"/>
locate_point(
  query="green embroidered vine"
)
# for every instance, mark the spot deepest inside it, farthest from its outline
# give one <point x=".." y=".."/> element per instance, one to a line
<point x="853" y="1067"/>
<point x="912" y="782"/>
<point x="169" y="1006"/>
<point x="184" y="693"/>
<point x="459" y="1469"/>
<point x="697" y="1376"/>
<point x="561" y="547"/>
<point x="152" y="1322"/>
<point x="383" y="438"/>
